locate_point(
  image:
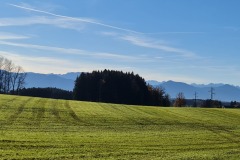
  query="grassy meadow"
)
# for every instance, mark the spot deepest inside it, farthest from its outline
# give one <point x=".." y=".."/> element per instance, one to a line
<point x="38" y="128"/>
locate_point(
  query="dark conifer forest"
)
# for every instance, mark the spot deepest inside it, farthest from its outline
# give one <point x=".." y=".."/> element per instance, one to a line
<point x="117" y="87"/>
<point x="54" y="93"/>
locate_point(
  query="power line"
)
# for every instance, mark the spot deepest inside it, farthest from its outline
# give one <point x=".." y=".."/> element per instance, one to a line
<point x="212" y="92"/>
<point x="195" y="99"/>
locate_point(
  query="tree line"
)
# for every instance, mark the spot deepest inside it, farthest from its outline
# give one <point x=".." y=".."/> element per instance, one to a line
<point x="181" y="101"/>
<point x="99" y="86"/>
<point x="49" y="92"/>
<point x="12" y="77"/>
<point x="118" y="87"/>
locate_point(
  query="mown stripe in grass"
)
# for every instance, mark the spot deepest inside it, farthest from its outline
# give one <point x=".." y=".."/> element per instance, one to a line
<point x="146" y="117"/>
<point x="73" y="115"/>
<point x="54" y="110"/>
<point x="64" y="115"/>
<point x="223" y="115"/>
<point x="71" y="112"/>
<point x="38" y="111"/>
<point x="221" y="131"/>
<point x="7" y="101"/>
<point x="12" y="118"/>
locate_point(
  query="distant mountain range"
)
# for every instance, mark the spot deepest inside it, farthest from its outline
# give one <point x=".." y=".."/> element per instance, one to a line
<point x="223" y="92"/>
<point x="62" y="81"/>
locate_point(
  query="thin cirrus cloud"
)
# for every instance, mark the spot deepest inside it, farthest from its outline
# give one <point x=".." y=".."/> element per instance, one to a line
<point x="43" y="60"/>
<point x="75" y="19"/>
<point x="55" y="21"/>
<point x="63" y="21"/>
<point x="60" y="50"/>
<point x="38" y="64"/>
<point x="143" y="42"/>
<point x="95" y="22"/>
<point x="10" y="36"/>
<point x="135" y="38"/>
<point x="67" y="19"/>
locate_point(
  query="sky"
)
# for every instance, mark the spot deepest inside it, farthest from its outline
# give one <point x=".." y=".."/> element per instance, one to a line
<point x="191" y="41"/>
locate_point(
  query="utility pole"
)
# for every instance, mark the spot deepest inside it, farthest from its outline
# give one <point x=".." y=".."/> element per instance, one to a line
<point x="212" y="92"/>
<point x="195" y="99"/>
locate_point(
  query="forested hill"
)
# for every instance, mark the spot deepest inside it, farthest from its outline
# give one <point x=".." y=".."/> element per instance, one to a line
<point x="117" y="87"/>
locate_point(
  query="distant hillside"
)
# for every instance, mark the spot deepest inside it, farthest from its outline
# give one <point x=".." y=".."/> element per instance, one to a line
<point x="223" y="92"/>
<point x="61" y="81"/>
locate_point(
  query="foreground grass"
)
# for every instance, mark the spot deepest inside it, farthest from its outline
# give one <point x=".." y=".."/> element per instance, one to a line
<point x="36" y="128"/>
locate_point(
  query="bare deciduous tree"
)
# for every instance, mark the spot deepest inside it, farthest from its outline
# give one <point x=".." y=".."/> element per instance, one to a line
<point x="12" y="77"/>
<point x="21" y="81"/>
<point x="1" y="72"/>
<point x="180" y="100"/>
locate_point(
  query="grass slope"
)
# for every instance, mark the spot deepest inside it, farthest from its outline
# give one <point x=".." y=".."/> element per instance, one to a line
<point x="37" y="128"/>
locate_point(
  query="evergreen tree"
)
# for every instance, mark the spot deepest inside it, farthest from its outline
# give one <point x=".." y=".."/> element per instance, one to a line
<point x="117" y="87"/>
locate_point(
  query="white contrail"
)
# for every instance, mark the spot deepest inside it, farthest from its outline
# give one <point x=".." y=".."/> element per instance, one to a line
<point x="73" y="18"/>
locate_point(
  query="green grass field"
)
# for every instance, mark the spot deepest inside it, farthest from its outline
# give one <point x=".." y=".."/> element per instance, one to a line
<point x="37" y="128"/>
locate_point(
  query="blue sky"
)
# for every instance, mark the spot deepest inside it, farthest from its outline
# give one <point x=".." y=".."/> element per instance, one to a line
<point x="192" y="41"/>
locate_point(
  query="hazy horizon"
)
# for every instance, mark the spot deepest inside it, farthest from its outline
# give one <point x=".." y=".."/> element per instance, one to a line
<point x="193" y="83"/>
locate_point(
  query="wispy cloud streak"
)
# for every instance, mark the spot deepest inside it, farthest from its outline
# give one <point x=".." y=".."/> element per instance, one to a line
<point x="162" y="33"/>
<point x="18" y="57"/>
<point x="88" y="20"/>
<point x="155" y="45"/>
<point x="143" y="41"/>
<point x="74" y="18"/>
<point x="9" y="36"/>
<point x="60" y="50"/>
<point x="55" y="21"/>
